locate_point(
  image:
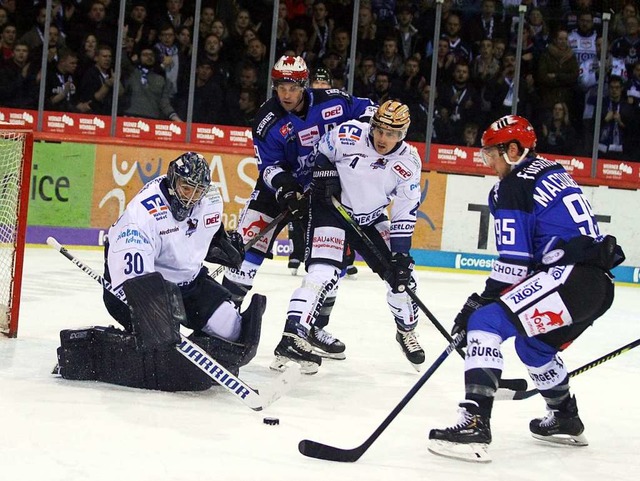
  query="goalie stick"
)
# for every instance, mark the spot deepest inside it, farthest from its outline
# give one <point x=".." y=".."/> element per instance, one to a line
<point x="314" y="449"/>
<point x="517" y="395"/>
<point x="512" y="384"/>
<point x="199" y="357"/>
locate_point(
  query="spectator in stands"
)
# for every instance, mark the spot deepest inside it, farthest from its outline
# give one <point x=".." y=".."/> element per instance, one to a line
<point x="408" y="86"/>
<point x="571" y="17"/>
<point x="185" y="45"/>
<point x="61" y="88"/>
<point x="617" y="27"/>
<point x="257" y="56"/>
<point x="388" y="59"/>
<point x="557" y="72"/>
<point x="298" y="43"/>
<point x="212" y="53"/>
<point x="367" y="39"/>
<point x="321" y="30"/>
<point x="7" y="40"/>
<point x="146" y="93"/>
<point x="487" y="24"/>
<point x="616" y="129"/>
<point x="87" y="56"/>
<point x="341" y="44"/>
<point x="4" y="16"/>
<point x="219" y="28"/>
<point x="469" y="137"/>
<point x="247" y="108"/>
<point x="235" y="42"/>
<point x="632" y="87"/>
<point x="363" y="85"/>
<point x="247" y="79"/>
<point x="139" y="26"/>
<point x="459" y="100"/>
<point x="445" y="63"/>
<point x="557" y="134"/>
<point x="627" y="48"/>
<point x="335" y="64"/>
<point x="499" y="48"/>
<point x="18" y="87"/>
<point x="583" y="39"/>
<point x="208" y="105"/>
<point x="408" y="38"/>
<point x="34" y="36"/>
<point x="485" y="67"/>
<point x="419" y="118"/>
<point x="173" y="14"/>
<point x="460" y="49"/>
<point x="95" y="22"/>
<point x="283" y="29"/>
<point x="174" y="64"/>
<point x="207" y="17"/>
<point x="540" y="31"/>
<point x="384" y="12"/>
<point x="96" y="85"/>
<point x="381" y="86"/>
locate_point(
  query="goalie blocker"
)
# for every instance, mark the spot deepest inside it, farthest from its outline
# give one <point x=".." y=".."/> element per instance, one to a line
<point x="146" y="358"/>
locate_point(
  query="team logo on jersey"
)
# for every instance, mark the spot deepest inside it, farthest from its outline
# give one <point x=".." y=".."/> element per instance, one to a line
<point x="155" y="206"/>
<point x="402" y="171"/>
<point x="256" y="226"/>
<point x="349" y="133"/>
<point x="193" y="225"/>
<point x="381" y="163"/>
<point x="211" y="220"/>
<point x="286" y="129"/>
<point x="309" y="137"/>
<point x="332" y="112"/>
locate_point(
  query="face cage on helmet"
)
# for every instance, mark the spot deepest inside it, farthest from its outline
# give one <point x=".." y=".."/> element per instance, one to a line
<point x="189" y="199"/>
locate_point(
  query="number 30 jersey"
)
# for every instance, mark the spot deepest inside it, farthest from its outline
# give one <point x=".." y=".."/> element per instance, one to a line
<point x="147" y="238"/>
<point x="369" y="181"/>
<point x="534" y="207"/>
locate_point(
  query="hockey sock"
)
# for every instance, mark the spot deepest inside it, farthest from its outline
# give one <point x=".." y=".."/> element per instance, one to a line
<point x="483" y="369"/>
<point x="552" y="380"/>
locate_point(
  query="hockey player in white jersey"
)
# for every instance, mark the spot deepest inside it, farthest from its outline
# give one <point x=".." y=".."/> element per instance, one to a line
<point x="155" y="253"/>
<point x="364" y="166"/>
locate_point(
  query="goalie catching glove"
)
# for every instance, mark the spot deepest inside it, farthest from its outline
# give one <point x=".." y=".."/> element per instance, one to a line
<point x="226" y="249"/>
<point x="399" y="273"/>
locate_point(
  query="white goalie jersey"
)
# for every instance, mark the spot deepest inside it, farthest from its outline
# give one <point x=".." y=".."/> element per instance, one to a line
<point x="370" y="181"/>
<point x="147" y="238"/>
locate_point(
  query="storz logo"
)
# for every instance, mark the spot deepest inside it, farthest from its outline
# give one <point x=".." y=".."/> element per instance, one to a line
<point x="524" y="292"/>
<point x="402" y="171"/>
<point x="211" y="220"/>
<point x="155" y="206"/>
<point x="332" y="112"/>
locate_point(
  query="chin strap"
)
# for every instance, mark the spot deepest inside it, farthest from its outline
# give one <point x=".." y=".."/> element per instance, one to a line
<point x="506" y="157"/>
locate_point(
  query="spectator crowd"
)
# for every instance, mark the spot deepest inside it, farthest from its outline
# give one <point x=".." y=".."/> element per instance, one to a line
<point x="475" y="61"/>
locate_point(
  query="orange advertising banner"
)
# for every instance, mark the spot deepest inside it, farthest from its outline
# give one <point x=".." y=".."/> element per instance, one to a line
<point x="428" y="231"/>
<point x="122" y="171"/>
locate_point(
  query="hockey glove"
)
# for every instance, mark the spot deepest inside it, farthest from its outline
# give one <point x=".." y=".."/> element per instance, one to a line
<point x="326" y="184"/>
<point x="472" y="304"/>
<point x="291" y="198"/>
<point x="399" y="273"/>
<point x="226" y="249"/>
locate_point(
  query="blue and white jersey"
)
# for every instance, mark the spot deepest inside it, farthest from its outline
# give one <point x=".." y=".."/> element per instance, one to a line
<point x="534" y="207"/>
<point x="370" y="181"/>
<point x="147" y="238"/>
<point x="283" y="140"/>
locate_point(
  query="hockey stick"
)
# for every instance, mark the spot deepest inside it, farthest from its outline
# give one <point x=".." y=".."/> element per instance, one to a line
<point x="314" y="449"/>
<point x="267" y="228"/>
<point x="518" y="395"/>
<point x="198" y="356"/>
<point x="514" y="384"/>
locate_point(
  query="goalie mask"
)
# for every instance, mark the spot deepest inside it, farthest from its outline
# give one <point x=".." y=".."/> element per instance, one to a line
<point x="505" y="130"/>
<point x="394" y="116"/>
<point x="189" y="180"/>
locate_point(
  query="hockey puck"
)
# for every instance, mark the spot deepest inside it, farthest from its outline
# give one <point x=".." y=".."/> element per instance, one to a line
<point x="271" y="421"/>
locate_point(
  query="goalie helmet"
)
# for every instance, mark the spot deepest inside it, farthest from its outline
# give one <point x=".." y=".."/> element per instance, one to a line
<point x="189" y="180"/>
<point x="290" y="69"/>
<point x="507" y="129"/>
<point x="392" y="115"/>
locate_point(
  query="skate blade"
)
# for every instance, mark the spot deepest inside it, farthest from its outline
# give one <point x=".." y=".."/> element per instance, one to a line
<point x="338" y="356"/>
<point x="471" y="453"/>
<point x="417" y="367"/>
<point x="564" y="439"/>
<point x="56" y="370"/>
<point x="306" y="367"/>
<point x="294" y="272"/>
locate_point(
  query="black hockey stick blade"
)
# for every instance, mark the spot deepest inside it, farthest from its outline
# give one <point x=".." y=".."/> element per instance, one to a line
<point x="313" y="449"/>
<point x="520" y="394"/>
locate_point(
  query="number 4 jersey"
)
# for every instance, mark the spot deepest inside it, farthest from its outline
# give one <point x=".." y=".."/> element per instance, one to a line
<point x="534" y="207"/>
<point x="147" y="238"/>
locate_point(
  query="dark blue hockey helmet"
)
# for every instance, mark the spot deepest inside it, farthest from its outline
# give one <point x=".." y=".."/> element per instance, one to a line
<point x="189" y="180"/>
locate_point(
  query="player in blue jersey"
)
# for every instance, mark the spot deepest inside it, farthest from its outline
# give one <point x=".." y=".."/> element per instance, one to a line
<point x="551" y="281"/>
<point x="286" y="128"/>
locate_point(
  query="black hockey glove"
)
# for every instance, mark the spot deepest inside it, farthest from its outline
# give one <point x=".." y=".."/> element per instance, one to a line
<point x="291" y="198"/>
<point x="226" y="249"/>
<point x="326" y="184"/>
<point x="472" y="304"/>
<point x="399" y="272"/>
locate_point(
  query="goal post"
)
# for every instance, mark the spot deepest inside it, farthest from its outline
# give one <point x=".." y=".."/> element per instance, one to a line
<point x="16" y="151"/>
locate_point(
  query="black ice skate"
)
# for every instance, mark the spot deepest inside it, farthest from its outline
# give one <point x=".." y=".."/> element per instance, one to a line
<point x="294" y="347"/>
<point x="293" y="266"/>
<point x="561" y="426"/>
<point x="410" y="347"/>
<point x="352" y="272"/>
<point x="468" y="440"/>
<point x="325" y="344"/>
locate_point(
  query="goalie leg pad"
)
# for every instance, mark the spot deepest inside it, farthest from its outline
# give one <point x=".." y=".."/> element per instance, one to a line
<point x="156" y="311"/>
<point x="252" y="328"/>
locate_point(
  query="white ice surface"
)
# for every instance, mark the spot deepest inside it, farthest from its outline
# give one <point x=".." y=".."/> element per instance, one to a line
<point x="53" y="429"/>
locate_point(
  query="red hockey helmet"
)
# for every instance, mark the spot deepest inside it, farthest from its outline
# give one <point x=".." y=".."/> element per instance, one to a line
<point x="510" y="128"/>
<point x="290" y="69"/>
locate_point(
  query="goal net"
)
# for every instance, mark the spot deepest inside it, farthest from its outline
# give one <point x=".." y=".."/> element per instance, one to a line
<point x="16" y="148"/>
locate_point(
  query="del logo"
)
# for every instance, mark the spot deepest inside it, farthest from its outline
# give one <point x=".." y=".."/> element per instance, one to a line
<point x="211" y="219"/>
<point x="401" y="170"/>
<point x="154" y="204"/>
<point x="332" y="112"/>
<point x="552" y="318"/>
<point x="258" y="225"/>
<point x="349" y="132"/>
<point x="193" y="225"/>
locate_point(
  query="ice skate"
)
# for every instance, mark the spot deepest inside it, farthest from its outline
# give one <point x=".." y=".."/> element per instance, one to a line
<point x="294" y="347"/>
<point x="468" y="440"/>
<point x="409" y="344"/>
<point x="325" y="345"/>
<point x="293" y="266"/>
<point x="352" y="272"/>
<point x="560" y="427"/>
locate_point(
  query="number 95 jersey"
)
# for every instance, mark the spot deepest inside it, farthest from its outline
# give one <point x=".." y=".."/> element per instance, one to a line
<point x="147" y="238"/>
